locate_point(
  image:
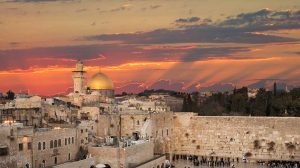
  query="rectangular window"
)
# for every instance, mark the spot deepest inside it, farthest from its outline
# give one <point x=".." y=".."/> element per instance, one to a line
<point x="3" y="151"/>
<point x="44" y="145"/>
<point x="29" y="145"/>
<point x="59" y="143"/>
<point x="66" y="141"/>
<point x="51" y="144"/>
<point x="20" y="146"/>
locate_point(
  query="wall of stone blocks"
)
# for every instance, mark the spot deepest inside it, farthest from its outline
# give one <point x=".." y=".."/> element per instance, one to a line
<point x="155" y="163"/>
<point x="61" y="153"/>
<point x="10" y="143"/>
<point x="259" y="138"/>
<point x="86" y="163"/>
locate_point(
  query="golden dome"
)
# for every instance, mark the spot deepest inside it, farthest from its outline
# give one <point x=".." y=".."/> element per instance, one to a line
<point x="100" y="81"/>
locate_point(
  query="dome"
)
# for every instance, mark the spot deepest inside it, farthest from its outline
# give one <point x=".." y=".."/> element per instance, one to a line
<point x="100" y="81"/>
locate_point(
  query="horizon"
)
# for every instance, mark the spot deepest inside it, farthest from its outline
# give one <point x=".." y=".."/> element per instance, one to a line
<point x="178" y="45"/>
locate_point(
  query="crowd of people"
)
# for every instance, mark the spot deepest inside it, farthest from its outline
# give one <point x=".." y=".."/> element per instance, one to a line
<point x="282" y="164"/>
<point x="204" y="161"/>
<point x="232" y="163"/>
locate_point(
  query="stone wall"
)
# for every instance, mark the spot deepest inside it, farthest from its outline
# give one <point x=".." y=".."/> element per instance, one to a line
<point x="8" y="147"/>
<point x="259" y="138"/>
<point x="126" y="157"/>
<point x="154" y="163"/>
<point x="62" y="151"/>
<point x="86" y="163"/>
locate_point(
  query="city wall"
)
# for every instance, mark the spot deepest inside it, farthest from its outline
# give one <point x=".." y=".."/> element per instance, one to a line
<point x="257" y="138"/>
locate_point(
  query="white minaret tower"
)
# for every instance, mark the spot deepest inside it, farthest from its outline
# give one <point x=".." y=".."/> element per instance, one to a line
<point x="79" y="78"/>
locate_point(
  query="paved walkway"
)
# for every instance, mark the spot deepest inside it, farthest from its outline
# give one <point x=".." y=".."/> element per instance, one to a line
<point x="189" y="164"/>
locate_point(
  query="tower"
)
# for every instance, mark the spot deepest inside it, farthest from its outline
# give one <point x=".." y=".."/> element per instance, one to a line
<point x="79" y="78"/>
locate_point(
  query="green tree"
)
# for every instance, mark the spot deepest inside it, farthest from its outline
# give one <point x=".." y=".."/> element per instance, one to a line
<point x="10" y="95"/>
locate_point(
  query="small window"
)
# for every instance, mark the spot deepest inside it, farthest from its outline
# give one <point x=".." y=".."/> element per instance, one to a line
<point x="44" y="145"/>
<point x="20" y="146"/>
<point x="55" y="160"/>
<point x="59" y="143"/>
<point x="51" y="144"/>
<point x="66" y="141"/>
<point x="138" y="122"/>
<point x="69" y="158"/>
<point x="72" y="140"/>
<point x="82" y="131"/>
<point x="55" y="143"/>
<point x="167" y="132"/>
<point x="39" y="146"/>
<point x="29" y="145"/>
<point x="3" y="151"/>
<point x="69" y="140"/>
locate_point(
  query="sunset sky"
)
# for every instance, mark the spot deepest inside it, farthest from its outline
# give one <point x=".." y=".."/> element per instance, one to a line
<point x="182" y="45"/>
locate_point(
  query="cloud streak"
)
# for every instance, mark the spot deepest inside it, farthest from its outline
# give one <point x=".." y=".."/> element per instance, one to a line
<point x="238" y="29"/>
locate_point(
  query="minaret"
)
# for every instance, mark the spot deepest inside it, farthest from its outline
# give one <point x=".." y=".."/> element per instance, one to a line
<point x="79" y="78"/>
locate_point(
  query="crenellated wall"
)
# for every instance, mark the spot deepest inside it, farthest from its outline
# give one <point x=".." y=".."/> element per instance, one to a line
<point x="259" y="138"/>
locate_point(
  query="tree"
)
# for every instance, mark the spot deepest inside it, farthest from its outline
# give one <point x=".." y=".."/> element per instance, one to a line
<point x="10" y="95"/>
<point x="184" y="105"/>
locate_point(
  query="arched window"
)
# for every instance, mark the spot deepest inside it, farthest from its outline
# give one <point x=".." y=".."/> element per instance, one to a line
<point x="44" y="145"/>
<point x="51" y="144"/>
<point x="66" y="141"/>
<point x="72" y="140"/>
<point x="55" y="143"/>
<point x="39" y="146"/>
<point x="69" y="141"/>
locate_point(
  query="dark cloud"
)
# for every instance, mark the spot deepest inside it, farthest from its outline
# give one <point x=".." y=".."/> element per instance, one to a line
<point x="265" y="19"/>
<point x="187" y="20"/>
<point x="108" y="55"/>
<point x="210" y="34"/>
<point x="242" y="28"/>
<point x="154" y="6"/>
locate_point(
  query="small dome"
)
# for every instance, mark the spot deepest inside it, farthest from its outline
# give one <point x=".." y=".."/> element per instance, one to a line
<point x="100" y="81"/>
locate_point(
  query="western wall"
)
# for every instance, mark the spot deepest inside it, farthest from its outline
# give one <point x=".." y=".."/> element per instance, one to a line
<point x="256" y="138"/>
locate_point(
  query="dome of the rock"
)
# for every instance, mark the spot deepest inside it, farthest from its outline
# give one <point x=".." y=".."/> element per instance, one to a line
<point x="100" y="81"/>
